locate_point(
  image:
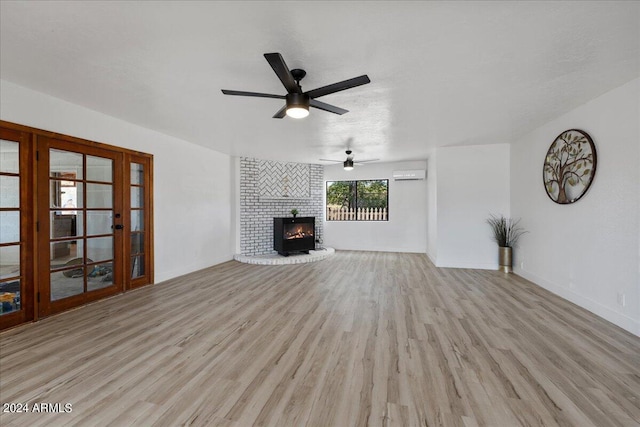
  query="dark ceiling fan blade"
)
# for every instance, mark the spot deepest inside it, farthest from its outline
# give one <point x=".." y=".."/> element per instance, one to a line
<point x="327" y="107"/>
<point x="281" y="113"/>
<point x="282" y="71"/>
<point x="260" y="95"/>
<point x="329" y="160"/>
<point x="337" y="87"/>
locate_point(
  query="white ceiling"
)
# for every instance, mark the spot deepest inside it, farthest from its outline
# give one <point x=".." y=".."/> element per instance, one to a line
<point x="442" y="73"/>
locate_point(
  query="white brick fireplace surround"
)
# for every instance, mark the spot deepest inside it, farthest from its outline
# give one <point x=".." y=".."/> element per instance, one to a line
<point x="271" y="189"/>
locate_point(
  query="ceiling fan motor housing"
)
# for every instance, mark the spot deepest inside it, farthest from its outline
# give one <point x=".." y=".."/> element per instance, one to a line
<point x="297" y="100"/>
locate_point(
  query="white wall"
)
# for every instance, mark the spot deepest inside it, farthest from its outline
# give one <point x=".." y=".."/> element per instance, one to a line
<point x="432" y="207"/>
<point x="235" y="204"/>
<point x="472" y="183"/>
<point x="406" y="229"/>
<point x="192" y="185"/>
<point x="587" y="252"/>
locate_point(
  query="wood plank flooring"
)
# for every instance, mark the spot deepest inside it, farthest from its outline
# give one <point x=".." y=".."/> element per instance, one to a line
<point x="361" y="338"/>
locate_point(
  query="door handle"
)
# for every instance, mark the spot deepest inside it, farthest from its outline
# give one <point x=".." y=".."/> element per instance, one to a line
<point x="119" y="226"/>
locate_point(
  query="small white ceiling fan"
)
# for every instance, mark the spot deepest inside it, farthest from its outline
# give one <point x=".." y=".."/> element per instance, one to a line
<point x="349" y="162"/>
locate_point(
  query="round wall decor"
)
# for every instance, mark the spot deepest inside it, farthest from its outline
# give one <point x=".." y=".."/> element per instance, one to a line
<point x="569" y="167"/>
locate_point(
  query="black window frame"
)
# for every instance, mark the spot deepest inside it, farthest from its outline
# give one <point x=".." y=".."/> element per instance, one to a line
<point x="355" y="186"/>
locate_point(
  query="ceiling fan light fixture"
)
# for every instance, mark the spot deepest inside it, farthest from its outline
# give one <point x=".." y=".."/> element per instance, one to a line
<point x="348" y="165"/>
<point x="297" y="112"/>
<point x="297" y="105"/>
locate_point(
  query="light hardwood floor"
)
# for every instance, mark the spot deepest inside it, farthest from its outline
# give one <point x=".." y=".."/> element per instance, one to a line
<point x="361" y="338"/>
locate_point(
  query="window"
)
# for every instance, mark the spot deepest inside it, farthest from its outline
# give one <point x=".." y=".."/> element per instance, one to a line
<point x="358" y="200"/>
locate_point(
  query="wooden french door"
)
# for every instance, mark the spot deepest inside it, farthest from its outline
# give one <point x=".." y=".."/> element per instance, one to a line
<point x="16" y="228"/>
<point x="76" y="222"/>
<point x="80" y="224"/>
<point x="138" y="262"/>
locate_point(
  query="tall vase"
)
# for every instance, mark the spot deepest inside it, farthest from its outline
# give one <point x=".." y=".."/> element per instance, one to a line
<point x="505" y="259"/>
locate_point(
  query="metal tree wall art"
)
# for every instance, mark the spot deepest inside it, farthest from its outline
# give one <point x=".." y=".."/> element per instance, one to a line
<point x="569" y="167"/>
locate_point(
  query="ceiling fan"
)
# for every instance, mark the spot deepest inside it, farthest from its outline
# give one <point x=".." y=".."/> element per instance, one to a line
<point x="298" y="102"/>
<point x="349" y="163"/>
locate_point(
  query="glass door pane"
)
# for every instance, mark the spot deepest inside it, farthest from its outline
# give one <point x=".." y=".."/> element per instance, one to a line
<point x="10" y="245"/>
<point x="81" y="251"/>
<point x="16" y="233"/>
<point x="137" y="235"/>
<point x="80" y="236"/>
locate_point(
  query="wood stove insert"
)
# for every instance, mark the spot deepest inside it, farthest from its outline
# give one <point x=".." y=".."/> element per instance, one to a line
<point x="294" y="234"/>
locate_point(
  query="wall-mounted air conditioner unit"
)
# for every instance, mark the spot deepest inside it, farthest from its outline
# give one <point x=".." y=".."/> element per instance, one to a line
<point x="409" y="175"/>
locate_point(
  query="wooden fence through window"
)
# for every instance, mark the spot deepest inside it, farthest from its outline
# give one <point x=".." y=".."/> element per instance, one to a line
<point x="359" y="214"/>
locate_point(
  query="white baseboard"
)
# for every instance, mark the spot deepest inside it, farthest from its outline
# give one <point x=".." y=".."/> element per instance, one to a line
<point x="380" y="249"/>
<point x="186" y="269"/>
<point x="473" y="265"/>
<point x="620" y="319"/>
